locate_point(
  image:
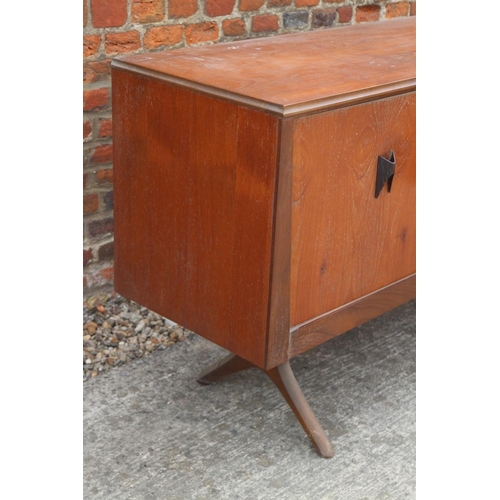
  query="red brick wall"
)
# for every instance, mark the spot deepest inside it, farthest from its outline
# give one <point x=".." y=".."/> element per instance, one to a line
<point x="114" y="27"/>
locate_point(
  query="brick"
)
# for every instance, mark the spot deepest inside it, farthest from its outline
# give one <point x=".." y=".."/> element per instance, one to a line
<point x="163" y="36"/>
<point x="106" y="251"/>
<point x="96" y="71"/>
<point x="219" y="7"/>
<point x="345" y="14"/>
<point x="87" y="256"/>
<point x="147" y="11"/>
<point x="264" y="23"/>
<point x="90" y="203"/>
<point x="105" y="127"/>
<point x="202" y="32"/>
<point x="91" y="45"/>
<point x="102" y="154"/>
<point x="108" y="273"/>
<point x="182" y="8"/>
<point x="108" y="13"/>
<point x="413" y="9"/>
<point x="85" y="282"/>
<point x="87" y="131"/>
<point x="105" y="176"/>
<point x="93" y="280"/>
<point x="85" y="177"/>
<point x="398" y="9"/>
<point x="248" y="5"/>
<point x="118" y="43"/>
<point x="233" y="27"/>
<point x="95" y="99"/>
<point x="101" y="227"/>
<point x="108" y="200"/>
<point x="367" y="13"/>
<point x="279" y="3"/>
<point x="296" y="19"/>
<point x="306" y="3"/>
<point x="85" y="13"/>
<point x="323" y="18"/>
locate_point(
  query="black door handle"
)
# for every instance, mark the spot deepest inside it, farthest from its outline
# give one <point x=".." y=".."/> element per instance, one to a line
<point x="385" y="173"/>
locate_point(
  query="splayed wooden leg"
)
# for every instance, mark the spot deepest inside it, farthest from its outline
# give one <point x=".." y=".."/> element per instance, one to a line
<point x="285" y="381"/>
<point x="223" y="368"/>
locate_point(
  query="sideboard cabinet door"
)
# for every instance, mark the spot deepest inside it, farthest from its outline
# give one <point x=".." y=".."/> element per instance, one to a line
<point x="346" y="243"/>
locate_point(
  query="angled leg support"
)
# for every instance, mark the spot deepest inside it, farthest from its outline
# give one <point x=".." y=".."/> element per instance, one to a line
<point x="223" y="368"/>
<point x="285" y="381"/>
<point x="287" y="384"/>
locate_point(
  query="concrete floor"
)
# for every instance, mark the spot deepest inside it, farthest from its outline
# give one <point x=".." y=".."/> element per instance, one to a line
<point x="152" y="432"/>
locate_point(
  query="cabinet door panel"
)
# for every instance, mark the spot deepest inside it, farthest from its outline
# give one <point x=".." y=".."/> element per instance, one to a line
<point x="345" y="242"/>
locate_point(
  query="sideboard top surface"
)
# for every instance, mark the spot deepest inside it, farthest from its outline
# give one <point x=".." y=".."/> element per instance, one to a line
<point x="294" y="73"/>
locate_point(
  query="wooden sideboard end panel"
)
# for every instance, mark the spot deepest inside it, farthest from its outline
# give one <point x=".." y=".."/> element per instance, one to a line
<point x="194" y="199"/>
<point x="345" y="242"/>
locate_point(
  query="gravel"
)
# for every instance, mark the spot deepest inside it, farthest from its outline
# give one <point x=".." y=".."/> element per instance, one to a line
<point x="117" y="330"/>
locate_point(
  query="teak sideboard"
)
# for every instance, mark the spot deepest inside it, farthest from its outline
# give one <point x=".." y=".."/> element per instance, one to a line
<point x="265" y="191"/>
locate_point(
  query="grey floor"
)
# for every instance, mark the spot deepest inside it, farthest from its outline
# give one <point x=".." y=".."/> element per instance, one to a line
<point x="152" y="432"/>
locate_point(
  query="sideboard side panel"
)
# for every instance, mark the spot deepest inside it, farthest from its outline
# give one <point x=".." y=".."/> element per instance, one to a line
<point x="194" y="179"/>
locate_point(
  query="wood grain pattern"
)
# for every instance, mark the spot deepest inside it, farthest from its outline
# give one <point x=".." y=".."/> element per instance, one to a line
<point x="295" y="73"/>
<point x="345" y="242"/>
<point x="193" y="213"/>
<point x="334" y="323"/>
